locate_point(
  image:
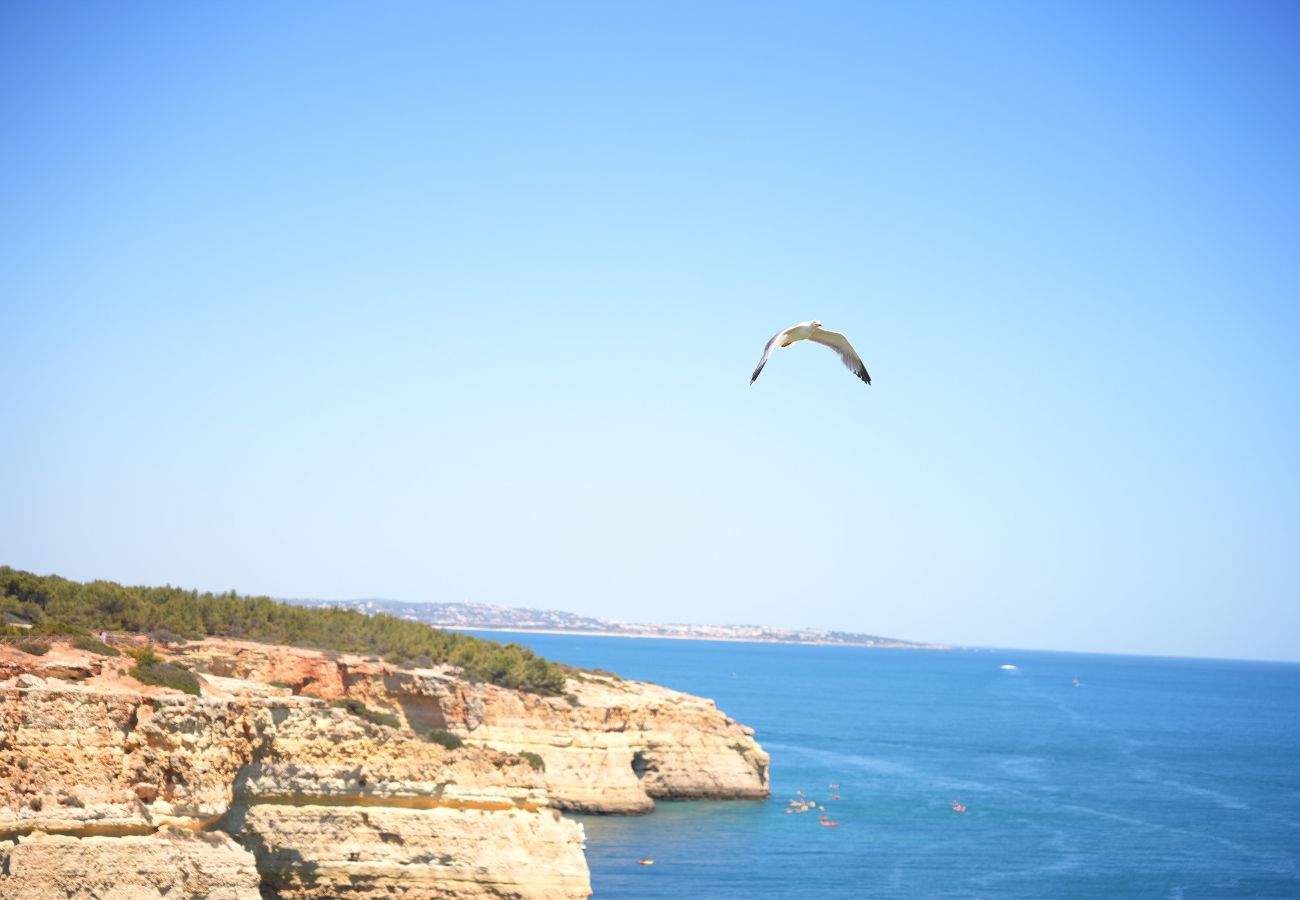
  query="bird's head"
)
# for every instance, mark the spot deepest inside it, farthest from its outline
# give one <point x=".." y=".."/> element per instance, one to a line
<point x="815" y="324"/>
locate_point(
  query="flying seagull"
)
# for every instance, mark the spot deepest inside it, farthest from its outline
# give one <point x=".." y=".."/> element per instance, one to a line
<point x="813" y="331"/>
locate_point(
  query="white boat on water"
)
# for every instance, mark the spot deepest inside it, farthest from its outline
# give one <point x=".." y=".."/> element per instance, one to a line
<point x="1008" y="666"/>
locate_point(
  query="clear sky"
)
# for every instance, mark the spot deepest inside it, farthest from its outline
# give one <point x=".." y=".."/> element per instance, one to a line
<point x="459" y="302"/>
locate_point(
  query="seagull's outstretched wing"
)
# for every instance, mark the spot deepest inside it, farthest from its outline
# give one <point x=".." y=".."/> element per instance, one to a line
<point x="767" y="352"/>
<point x="840" y="344"/>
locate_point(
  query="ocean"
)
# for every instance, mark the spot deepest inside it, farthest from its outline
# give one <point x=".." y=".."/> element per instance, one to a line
<point x="1154" y="777"/>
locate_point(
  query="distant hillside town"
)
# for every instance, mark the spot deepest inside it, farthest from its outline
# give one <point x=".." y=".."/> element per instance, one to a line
<point x="488" y="617"/>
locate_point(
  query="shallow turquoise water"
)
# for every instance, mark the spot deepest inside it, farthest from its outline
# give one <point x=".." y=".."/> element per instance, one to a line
<point x="1155" y="778"/>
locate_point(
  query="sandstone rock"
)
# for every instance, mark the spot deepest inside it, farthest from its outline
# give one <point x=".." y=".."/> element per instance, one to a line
<point x="73" y="671"/>
<point x="106" y="768"/>
<point x="615" y="748"/>
<point x="313" y="851"/>
<point x="131" y="763"/>
<point x="169" y="864"/>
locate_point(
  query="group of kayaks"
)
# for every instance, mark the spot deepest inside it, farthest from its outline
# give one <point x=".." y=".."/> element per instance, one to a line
<point x="802" y="804"/>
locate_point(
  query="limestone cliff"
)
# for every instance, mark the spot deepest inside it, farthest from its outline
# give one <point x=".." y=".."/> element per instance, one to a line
<point x="609" y="745"/>
<point x="172" y="863"/>
<point x="260" y="787"/>
<point x="110" y="790"/>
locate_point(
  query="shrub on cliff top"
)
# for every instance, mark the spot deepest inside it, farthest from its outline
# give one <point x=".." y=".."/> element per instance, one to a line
<point x="35" y="648"/>
<point x="106" y="606"/>
<point x="94" y="645"/>
<point x="588" y="676"/>
<point x="165" y="674"/>
<point x="166" y="636"/>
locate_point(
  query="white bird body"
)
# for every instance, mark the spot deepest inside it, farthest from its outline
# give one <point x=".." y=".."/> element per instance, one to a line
<point x="812" y="331"/>
<point x="801" y="332"/>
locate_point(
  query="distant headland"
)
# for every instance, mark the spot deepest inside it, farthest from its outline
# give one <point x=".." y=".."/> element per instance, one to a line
<point x="489" y="617"/>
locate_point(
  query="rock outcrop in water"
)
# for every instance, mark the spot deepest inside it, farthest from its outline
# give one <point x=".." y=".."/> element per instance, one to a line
<point x="111" y="788"/>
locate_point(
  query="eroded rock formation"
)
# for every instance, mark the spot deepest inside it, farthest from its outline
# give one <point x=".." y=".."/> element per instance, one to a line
<point x="609" y="746"/>
<point x="260" y="787"/>
<point x="171" y="862"/>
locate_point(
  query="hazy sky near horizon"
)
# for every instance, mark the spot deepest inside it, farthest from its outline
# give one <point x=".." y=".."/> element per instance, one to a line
<point x="459" y="302"/>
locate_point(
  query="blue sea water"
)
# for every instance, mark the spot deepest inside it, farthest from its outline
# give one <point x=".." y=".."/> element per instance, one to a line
<point x="1155" y="777"/>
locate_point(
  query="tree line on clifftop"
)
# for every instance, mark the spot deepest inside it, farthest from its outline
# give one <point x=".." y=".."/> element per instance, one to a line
<point x="55" y="605"/>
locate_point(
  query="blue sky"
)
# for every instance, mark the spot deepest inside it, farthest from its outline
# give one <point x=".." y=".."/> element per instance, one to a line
<point x="460" y="302"/>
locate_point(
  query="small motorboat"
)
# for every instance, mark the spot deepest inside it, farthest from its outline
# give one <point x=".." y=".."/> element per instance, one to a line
<point x="645" y="862"/>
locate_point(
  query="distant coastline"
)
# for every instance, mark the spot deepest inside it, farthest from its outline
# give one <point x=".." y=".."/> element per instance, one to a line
<point x="491" y="618"/>
<point x="519" y="629"/>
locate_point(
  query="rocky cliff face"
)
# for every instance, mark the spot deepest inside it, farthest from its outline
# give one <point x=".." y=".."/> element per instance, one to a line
<point x="114" y="791"/>
<point x="171" y="863"/>
<point x="608" y="745"/>
<point x="109" y="788"/>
